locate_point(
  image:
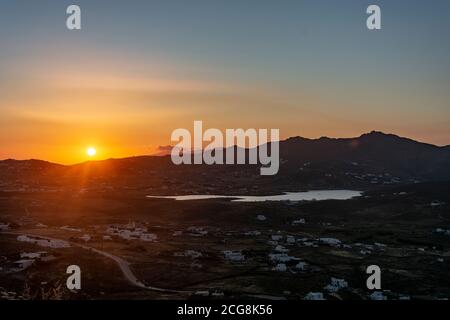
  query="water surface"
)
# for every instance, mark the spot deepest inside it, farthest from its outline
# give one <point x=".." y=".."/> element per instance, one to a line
<point x="314" y="195"/>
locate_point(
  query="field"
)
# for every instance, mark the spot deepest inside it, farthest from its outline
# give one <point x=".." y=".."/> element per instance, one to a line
<point x="223" y="249"/>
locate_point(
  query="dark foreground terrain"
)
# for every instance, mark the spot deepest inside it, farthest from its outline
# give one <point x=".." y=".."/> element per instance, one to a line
<point x="224" y="249"/>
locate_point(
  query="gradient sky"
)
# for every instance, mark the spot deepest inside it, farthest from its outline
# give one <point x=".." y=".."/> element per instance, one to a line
<point x="140" y="69"/>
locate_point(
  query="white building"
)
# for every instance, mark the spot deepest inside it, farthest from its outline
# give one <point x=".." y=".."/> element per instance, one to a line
<point x="314" y="296"/>
<point x="4" y="226"/>
<point x="298" y="221"/>
<point x="233" y="255"/>
<point x="282" y="249"/>
<point x="53" y="243"/>
<point x="281" y="257"/>
<point x="377" y="295"/>
<point x="336" y="285"/>
<point x="21" y="265"/>
<point x="85" y="237"/>
<point x="290" y="239"/>
<point x="301" y="265"/>
<point x="330" y="241"/>
<point x="281" y="267"/>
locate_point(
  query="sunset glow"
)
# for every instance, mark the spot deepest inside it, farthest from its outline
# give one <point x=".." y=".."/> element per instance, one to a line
<point x="91" y="151"/>
<point x="61" y="90"/>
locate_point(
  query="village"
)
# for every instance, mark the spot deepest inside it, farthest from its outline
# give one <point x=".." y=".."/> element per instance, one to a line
<point x="294" y="253"/>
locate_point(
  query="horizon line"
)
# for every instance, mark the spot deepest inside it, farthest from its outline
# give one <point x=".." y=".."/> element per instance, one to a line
<point x="283" y="140"/>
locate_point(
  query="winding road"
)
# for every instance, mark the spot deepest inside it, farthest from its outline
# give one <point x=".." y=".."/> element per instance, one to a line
<point x="123" y="264"/>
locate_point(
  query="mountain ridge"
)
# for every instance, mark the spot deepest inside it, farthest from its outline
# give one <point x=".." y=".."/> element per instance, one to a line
<point x="371" y="134"/>
<point x="372" y="160"/>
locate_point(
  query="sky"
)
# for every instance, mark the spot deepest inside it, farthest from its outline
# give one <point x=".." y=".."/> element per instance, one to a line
<point x="137" y="70"/>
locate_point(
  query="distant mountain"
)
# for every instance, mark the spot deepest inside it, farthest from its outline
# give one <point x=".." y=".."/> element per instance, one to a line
<point x="370" y="161"/>
<point x="15" y="169"/>
<point x="375" y="150"/>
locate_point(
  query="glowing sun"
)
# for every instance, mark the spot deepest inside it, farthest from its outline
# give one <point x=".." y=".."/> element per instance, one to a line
<point x="91" y="151"/>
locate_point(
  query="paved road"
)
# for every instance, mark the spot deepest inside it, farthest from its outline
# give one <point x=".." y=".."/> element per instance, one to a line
<point x="123" y="264"/>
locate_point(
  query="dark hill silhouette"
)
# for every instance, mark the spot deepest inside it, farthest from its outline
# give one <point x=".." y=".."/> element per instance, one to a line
<point x="378" y="150"/>
<point x="373" y="159"/>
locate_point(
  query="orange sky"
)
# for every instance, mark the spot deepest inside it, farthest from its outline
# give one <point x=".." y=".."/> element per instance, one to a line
<point x="131" y="76"/>
<point x="124" y="113"/>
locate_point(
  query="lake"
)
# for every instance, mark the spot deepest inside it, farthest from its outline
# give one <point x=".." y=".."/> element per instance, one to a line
<point x="315" y="195"/>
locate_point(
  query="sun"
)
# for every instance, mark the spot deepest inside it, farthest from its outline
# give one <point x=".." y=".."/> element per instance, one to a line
<point x="91" y="151"/>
